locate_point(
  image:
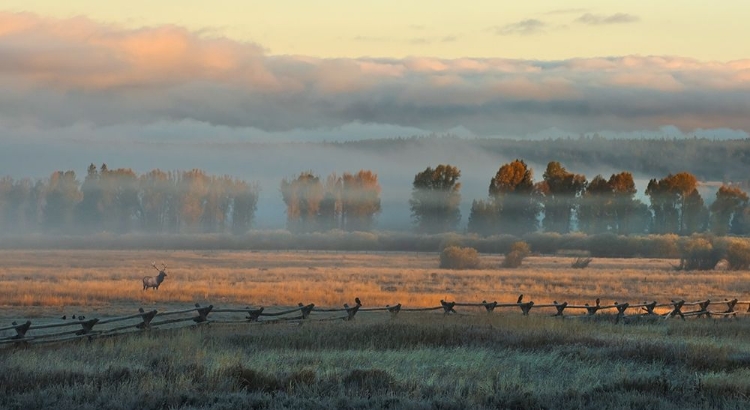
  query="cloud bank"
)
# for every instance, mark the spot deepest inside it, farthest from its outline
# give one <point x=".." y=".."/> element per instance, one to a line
<point x="599" y="19"/>
<point x="78" y="72"/>
<point x="524" y="28"/>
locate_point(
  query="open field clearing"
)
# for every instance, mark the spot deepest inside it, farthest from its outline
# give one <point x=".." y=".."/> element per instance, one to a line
<point x="39" y="283"/>
<point x="415" y="360"/>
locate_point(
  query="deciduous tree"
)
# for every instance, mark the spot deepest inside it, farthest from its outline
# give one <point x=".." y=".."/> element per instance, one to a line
<point x="435" y="199"/>
<point x="512" y="191"/>
<point x="625" y="208"/>
<point x="60" y="198"/>
<point x="560" y="190"/>
<point x="90" y="211"/>
<point x="302" y="197"/>
<point x="677" y="205"/>
<point x="244" y="204"/>
<point x="596" y="210"/>
<point x="360" y="200"/>
<point x="729" y="203"/>
<point x="483" y="218"/>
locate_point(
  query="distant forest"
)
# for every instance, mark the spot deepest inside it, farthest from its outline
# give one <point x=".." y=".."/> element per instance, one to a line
<point x="707" y="159"/>
<point x="517" y="202"/>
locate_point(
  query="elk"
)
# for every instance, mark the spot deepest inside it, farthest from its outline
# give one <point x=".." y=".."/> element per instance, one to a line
<point x="155" y="281"/>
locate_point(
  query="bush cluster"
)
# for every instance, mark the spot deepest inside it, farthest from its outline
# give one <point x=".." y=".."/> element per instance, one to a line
<point x="699" y="253"/>
<point x="514" y="258"/>
<point x="738" y="256"/>
<point x="597" y="246"/>
<point x="456" y="257"/>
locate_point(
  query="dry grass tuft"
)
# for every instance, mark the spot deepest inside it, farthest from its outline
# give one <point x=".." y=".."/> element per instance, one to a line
<point x="581" y="263"/>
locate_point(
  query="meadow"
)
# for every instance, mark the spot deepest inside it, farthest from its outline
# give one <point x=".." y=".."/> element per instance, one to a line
<point x="62" y="281"/>
<point x="416" y="360"/>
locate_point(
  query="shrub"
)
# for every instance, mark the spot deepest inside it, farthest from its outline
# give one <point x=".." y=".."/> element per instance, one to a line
<point x="450" y="239"/>
<point x="580" y="263"/>
<point x="738" y="256"/>
<point x="699" y="253"/>
<point x="544" y="243"/>
<point x="660" y="246"/>
<point x="456" y="257"/>
<point x="609" y="245"/>
<point x="514" y="258"/>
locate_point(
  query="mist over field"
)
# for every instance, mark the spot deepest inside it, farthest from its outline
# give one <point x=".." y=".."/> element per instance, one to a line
<point x="267" y="164"/>
<point x="395" y="161"/>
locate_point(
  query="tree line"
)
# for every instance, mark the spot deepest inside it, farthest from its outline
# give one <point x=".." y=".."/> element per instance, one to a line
<point x="348" y="202"/>
<point x="563" y="201"/>
<point x="120" y="201"/>
<point x="707" y="159"/>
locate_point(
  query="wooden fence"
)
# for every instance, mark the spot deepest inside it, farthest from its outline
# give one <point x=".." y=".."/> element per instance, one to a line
<point x="47" y="331"/>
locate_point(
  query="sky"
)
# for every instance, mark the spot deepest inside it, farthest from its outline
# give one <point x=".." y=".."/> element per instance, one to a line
<point x="178" y="84"/>
<point x="333" y="70"/>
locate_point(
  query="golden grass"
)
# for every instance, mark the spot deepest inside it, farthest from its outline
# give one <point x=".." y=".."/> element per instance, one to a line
<point x="100" y="279"/>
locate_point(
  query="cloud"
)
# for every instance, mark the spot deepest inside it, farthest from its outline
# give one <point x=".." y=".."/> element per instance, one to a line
<point x="600" y="19"/>
<point x="64" y="73"/>
<point x="524" y="28"/>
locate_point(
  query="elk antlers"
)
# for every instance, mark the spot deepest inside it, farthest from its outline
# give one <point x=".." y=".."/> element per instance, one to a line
<point x="164" y="267"/>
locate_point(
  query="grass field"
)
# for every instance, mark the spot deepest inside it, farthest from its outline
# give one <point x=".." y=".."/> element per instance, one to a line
<point x="414" y="361"/>
<point x="56" y="281"/>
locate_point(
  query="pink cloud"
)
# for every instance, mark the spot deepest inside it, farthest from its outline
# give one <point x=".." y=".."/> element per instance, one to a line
<point x="81" y="71"/>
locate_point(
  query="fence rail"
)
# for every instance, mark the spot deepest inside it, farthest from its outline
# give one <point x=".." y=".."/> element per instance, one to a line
<point x="29" y="333"/>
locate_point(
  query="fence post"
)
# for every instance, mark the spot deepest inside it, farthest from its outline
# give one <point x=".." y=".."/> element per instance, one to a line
<point x="254" y="315"/>
<point x="351" y="311"/>
<point x="21" y="329"/>
<point x="730" y="307"/>
<point x="526" y="307"/>
<point x="87" y="326"/>
<point x="448" y="306"/>
<point x="649" y="308"/>
<point x="146" y="317"/>
<point x="489" y="306"/>
<point x="703" y="308"/>
<point x="306" y="309"/>
<point x="202" y="313"/>
<point x="592" y="309"/>
<point x="620" y="311"/>
<point x="677" y="309"/>
<point x="560" y="307"/>
<point x="393" y="309"/>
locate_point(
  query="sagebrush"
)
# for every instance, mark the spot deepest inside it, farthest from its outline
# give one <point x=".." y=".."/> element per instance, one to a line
<point x="457" y="257"/>
<point x="738" y="256"/>
<point x="514" y="258"/>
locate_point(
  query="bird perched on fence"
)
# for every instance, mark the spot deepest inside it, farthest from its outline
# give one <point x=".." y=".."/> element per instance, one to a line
<point x="520" y="298"/>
